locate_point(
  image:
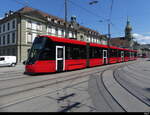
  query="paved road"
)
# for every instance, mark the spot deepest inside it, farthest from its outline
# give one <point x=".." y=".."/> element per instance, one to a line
<point x="88" y="90"/>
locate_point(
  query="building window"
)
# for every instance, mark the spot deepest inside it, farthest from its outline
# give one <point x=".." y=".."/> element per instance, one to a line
<point x="92" y="40"/>
<point x="74" y="35"/>
<point x="3" y="27"/>
<point x="34" y="35"/>
<point x="70" y="35"/>
<point x="0" y="29"/>
<point x="8" y="26"/>
<point x="95" y="40"/>
<point x="59" y="32"/>
<point x="63" y="33"/>
<point x="49" y="29"/>
<point x="39" y="27"/>
<point x="8" y="39"/>
<point x="29" y="37"/>
<point x="56" y="30"/>
<point x="53" y="31"/>
<point x="29" y="24"/>
<point x="88" y="39"/>
<point x="14" y="24"/>
<point x="3" y="40"/>
<point x="81" y="38"/>
<point x="34" y="26"/>
<point x="13" y="37"/>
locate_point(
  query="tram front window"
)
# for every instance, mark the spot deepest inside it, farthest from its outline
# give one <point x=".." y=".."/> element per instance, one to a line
<point x="37" y="46"/>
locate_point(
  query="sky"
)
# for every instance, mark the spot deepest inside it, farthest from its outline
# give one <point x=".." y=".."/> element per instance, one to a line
<point x="95" y="16"/>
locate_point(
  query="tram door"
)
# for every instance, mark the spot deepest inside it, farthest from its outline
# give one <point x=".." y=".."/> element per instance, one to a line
<point x="105" y="56"/>
<point x="130" y="55"/>
<point x="122" y="55"/>
<point x="60" y="58"/>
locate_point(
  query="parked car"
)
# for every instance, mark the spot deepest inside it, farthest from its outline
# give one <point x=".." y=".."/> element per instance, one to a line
<point x="8" y="61"/>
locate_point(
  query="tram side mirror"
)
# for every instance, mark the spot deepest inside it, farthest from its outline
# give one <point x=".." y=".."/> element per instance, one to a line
<point x="24" y="62"/>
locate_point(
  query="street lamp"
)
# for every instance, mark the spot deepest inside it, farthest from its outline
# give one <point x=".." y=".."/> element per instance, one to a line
<point x="109" y="26"/>
<point x="93" y="2"/>
<point x="66" y="15"/>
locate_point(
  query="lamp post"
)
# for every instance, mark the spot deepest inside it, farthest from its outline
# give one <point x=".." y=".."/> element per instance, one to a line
<point x="108" y="41"/>
<point x="93" y="2"/>
<point x="109" y="30"/>
<point x="66" y="15"/>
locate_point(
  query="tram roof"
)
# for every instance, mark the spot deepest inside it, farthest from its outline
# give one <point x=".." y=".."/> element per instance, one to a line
<point x="64" y="40"/>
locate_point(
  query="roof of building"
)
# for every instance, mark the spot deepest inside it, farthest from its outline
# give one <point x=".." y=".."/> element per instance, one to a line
<point x="42" y="15"/>
<point x="120" y="42"/>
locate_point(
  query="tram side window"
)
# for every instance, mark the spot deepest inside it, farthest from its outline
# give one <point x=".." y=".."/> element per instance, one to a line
<point x="135" y="54"/>
<point x="119" y="53"/>
<point x="75" y="52"/>
<point x="60" y="53"/>
<point x="101" y="52"/>
<point x="126" y="54"/>
<point x="68" y="52"/>
<point x="82" y="52"/>
<point x="96" y="52"/>
<point x="78" y="52"/>
<point x="132" y="54"/>
<point x="92" y="52"/>
<point x="113" y="53"/>
<point x="110" y="53"/>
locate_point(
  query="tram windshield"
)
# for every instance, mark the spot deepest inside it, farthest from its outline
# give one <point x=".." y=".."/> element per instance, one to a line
<point x="37" y="46"/>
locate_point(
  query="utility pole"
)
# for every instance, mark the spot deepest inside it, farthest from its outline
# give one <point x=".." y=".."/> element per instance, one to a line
<point x="66" y="15"/>
<point x="109" y="26"/>
<point x="108" y="41"/>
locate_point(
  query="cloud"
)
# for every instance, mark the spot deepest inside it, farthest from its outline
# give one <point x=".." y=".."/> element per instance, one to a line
<point x="142" y="39"/>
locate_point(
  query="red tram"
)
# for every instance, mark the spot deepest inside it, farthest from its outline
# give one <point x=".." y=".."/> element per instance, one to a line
<point x="53" y="54"/>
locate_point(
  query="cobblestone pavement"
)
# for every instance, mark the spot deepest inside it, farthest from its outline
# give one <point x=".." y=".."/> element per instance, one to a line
<point x="96" y="89"/>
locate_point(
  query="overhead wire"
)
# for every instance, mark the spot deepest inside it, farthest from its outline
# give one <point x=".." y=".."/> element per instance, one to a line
<point x="111" y="9"/>
<point x="24" y="3"/>
<point x="87" y="10"/>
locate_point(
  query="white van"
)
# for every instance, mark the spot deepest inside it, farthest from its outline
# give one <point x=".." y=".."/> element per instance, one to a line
<point x="8" y="61"/>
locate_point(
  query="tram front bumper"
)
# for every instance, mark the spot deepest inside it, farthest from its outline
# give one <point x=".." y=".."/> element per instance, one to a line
<point x="29" y="69"/>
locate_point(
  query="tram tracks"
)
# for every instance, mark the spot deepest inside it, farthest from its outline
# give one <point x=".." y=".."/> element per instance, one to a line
<point x="39" y="84"/>
<point x="119" y="78"/>
<point x="112" y="104"/>
<point x="9" y="93"/>
<point x="134" y="90"/>
<point x="38" y="79"/>
<point x="27" y="91"/>
<point x="39" y="94"/>
<point x="27" y="80"/>
<point x="130" y="82"/>
<point x="137" y="89"/>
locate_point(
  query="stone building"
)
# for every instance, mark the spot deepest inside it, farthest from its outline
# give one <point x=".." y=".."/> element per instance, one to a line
<point x="144" y="50"/>
<point x="18" y="30"/>
<point x="126" y="41"/>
